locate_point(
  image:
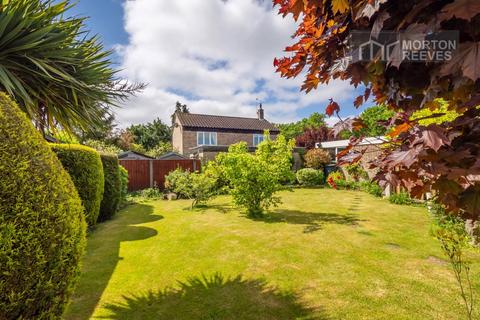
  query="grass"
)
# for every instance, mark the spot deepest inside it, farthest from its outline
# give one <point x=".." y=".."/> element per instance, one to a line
<point x="323" y="254"/>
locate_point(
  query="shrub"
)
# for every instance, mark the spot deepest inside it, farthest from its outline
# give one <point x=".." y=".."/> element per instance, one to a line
<point x="254" y="179"/>
<point x="113" y="187"/>
<point x="86" y="170"/>
<point x="402" y="198"/>
<point x="373" y="188"/>
<point x="102" y="146"/>
<point x="336" y="175"/>
<point x="348" y="185"/>
<point x="160" y="149"/>
<point x="151" y="193"/>
<point x="356" y="172"/>
<point x="317" y="158"/>
<point x="174" y="179"/>
<point x="42" y="225"/>
<point x="124" y="185"/>
<point x="214" y="171"/>
<point x="309" y="177"/>
<point x="197" y="186"/>
<point x="334" y="178"/>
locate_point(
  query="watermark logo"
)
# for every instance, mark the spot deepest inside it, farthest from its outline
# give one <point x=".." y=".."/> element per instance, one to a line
<point x="398" y="47"/>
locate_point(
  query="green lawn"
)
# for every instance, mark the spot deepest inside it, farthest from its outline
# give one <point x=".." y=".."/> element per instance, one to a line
<point x="323" y="254"/>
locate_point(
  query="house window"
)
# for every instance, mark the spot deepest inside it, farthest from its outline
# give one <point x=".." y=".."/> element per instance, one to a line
<point x="206" y="138"/>
<point x="257" y="138"/>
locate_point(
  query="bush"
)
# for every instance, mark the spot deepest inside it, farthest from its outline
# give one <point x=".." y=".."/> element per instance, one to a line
<point x="102" y="146"/>
<point x="214" y="171"/>
<point x="317" y="158"/>
<point x="113" y="187"/>
<point x="151" y="193"/>
<point x="42" y="225"/>
<point x="197" y="186"/>
<point x="86" y="170"/>
<point x="254" y="179"/>
<point x="402" y="198"/>
<point x="176" y="178"/>
<point x="373" y="188"/>
<point x="334" y="178"/>
<point x="336" y="175"/>
<point x="124" y="185"/>
<point x="356" y="172"/>
<point x="309" y="177"/>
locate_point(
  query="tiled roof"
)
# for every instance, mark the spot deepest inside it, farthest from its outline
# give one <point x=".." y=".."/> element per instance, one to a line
<point x="206" y="121"/>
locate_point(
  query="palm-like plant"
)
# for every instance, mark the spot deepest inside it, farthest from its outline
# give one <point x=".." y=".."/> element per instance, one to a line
<point x="51" y="66"/>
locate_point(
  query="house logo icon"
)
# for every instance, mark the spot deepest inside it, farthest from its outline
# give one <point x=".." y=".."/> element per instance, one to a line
<point x="371" y="50"/>
<point x="375" y="50"/>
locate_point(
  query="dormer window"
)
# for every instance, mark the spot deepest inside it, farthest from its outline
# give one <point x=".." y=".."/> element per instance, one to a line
<point x="206" y="138"/>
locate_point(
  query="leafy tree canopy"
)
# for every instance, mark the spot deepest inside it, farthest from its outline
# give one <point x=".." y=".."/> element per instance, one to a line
<point x="439" y="115"/>
<point x="151" y="134"/>
<point x="310" y="137"/>
<point x="439" y="157"/>
<point x="160" y="149"/>
<point x="294" y="129"/>
<point x="59" y="75"/>
<point x="371" y="118"/>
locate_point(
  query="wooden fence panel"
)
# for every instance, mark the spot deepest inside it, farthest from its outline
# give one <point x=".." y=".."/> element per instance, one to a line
<point x="143" y="174"/>
<point x="138" y="174"/>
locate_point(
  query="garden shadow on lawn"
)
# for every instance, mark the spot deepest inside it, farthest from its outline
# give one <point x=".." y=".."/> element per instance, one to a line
<point x="214" y="297"/>
<point x="313" y="221"/>
<point x="121" y="228"/>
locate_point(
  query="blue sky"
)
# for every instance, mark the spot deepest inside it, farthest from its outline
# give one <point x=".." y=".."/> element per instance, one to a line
<point x="214" y="55"/>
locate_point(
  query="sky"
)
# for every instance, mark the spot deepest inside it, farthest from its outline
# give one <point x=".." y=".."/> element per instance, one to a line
<point x="216" y="56"/>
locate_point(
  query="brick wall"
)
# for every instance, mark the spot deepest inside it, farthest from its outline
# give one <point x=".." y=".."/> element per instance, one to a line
<point x="177" y="141"/>
<point x="223" y="139"/>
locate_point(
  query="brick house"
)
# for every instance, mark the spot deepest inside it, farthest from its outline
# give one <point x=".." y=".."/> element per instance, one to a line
<point x="204" y="136"/>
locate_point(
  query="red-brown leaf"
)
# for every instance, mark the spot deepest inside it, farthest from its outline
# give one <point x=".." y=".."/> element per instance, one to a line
<point x="358" y="101"/>
<point x="434" y="138"/>
<point x="332" y="108"/>
<point x="462" y="9"/>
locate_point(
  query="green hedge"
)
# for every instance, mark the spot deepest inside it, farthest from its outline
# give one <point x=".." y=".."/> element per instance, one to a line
<point x="86" y="170"/>
<point x="124" y="185"/>
<point x="113" y="187"/>
<point x="42" y="225"/>
<point x="309" y="177"/>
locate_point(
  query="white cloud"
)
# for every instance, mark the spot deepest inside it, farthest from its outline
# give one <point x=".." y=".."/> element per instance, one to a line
<point x="216" y="56"/>
<point x="331" y="121"/>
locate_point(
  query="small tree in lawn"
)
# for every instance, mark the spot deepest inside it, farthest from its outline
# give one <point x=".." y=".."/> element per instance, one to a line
<point x="255" y="178"/>
<point x="317" y="158"/>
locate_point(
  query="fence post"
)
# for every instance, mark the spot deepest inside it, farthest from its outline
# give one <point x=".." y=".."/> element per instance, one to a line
<point x="150" y="171"/>
<point x="194" y="165"/>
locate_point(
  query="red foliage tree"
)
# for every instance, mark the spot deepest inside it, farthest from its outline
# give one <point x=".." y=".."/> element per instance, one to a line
<point x="312" y="136"/>
<point x="444" y="157"/>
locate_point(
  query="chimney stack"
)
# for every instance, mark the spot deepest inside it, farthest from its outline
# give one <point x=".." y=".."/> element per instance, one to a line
<point x="260" y="112"/>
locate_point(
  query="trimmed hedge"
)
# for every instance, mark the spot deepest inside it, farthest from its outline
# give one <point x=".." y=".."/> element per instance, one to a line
<point x="124" y="185"/>
<point x="86" y="170"/>
<point x="309" y="177"/>
<point x="113" y="187"/>
<point x="42" y="225"/>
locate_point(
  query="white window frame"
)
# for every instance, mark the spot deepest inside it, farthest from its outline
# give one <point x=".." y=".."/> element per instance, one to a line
<point x="208" y="134"/>
<point x="259" y="137"/>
